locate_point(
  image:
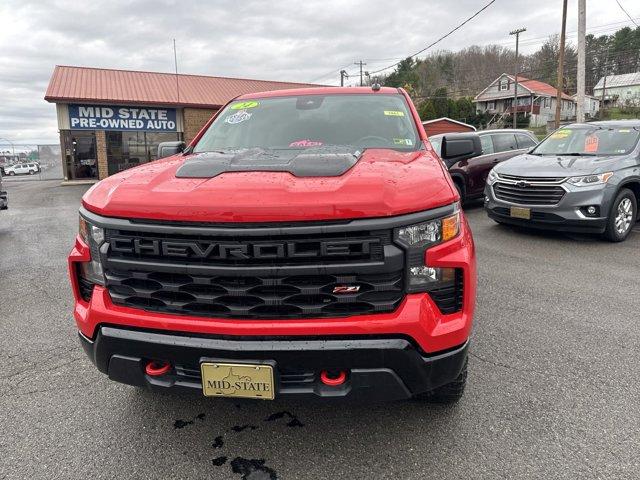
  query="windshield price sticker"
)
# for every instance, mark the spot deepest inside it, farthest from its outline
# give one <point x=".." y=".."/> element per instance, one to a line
<point x="393" y="113"/>
<point x="591" y="144"/>
<point x="564" y="133"/>
<point x="244" y="105"/>
<point x="403" y="141"/>
<point x="238" y="117"/>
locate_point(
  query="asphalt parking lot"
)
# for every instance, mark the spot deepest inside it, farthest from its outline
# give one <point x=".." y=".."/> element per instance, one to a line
<point x="553" y="392"/>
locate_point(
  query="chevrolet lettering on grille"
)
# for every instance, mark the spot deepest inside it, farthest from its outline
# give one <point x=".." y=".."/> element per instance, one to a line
<point x="229" y="250"/>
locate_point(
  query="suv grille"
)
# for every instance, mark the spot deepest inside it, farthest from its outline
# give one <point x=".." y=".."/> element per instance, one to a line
<point x="525" y="193"/>
<point x="255" y="276"/>
<point x="256" y="297"/>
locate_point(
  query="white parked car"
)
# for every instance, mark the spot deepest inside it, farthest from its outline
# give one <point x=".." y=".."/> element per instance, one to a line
<point x="22" y="168"/>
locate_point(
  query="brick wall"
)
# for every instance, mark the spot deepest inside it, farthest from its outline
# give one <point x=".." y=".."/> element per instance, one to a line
<point x="194" y="119"/>
<point x="101" y="147"/>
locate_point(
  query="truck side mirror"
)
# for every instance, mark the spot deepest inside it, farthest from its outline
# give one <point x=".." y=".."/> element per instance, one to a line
<point x="460" y="147"/>
<point x="166" y="149"/>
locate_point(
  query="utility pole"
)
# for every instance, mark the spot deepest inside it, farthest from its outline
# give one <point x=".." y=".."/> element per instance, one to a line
<point x="175" y="62"/>
<point x="362" y="64"/>
<point x="343" y="75"/>
<point x="515" y="83"/>
<point x="563" y="32"/>
<point x="604" y="83"/>
<point x="582" y="27"/>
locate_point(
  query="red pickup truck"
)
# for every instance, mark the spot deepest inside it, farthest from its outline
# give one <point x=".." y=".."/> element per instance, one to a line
<point x="307" y="243"/>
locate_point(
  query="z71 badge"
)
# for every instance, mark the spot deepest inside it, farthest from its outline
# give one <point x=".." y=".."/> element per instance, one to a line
<point x="346" y="289"/>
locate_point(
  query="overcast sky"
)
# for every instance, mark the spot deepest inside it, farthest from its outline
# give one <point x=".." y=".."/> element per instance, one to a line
<point x="289" y="40"/>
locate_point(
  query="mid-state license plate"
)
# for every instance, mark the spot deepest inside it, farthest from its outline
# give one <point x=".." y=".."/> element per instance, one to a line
<point x="237" y="380"/>
<point x="519" y="212"/>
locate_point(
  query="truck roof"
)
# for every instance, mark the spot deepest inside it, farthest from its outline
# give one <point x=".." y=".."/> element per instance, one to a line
<point x="320" y="91"/>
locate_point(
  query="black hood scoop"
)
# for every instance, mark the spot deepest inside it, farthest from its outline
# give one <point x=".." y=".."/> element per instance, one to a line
<point x="311" y="162"/>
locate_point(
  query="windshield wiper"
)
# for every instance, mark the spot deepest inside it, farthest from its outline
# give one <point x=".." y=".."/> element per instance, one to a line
<point x="577" y="154"/>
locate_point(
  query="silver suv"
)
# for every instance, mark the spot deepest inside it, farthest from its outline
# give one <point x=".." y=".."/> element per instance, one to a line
<point x="581" y="178"/>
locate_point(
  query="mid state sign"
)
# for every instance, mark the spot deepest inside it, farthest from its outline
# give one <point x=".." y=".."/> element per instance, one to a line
<point x="101" y="117"/>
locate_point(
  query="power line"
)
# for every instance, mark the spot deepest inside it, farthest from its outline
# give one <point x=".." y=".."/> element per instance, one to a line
<point x="627" y="13"/>
<point x="441" y="38"/>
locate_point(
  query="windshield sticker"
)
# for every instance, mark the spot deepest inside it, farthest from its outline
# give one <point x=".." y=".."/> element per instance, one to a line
<point x="244" y="105"/>
<point x="238" y="117"/>
<point x="305" y="143"/>
<point x="563" y="133"/>
<point x="403" y="141"/>
<point x="591" y="144"/>
<point x="393" y="113"/>
<point x="624" y="130"/>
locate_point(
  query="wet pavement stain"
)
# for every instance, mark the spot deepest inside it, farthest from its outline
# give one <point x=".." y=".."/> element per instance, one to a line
<point x="252" y="469"/>
<point x="183" y="423"/>
<point x="294" y="421"/>
<point x="219" y="461"/>
<point x="240" y="428"/>
<point x="218" y="442"/>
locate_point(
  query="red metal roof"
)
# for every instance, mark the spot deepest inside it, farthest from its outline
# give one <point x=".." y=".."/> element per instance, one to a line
<point x="537" y="86"/>
<point x="82" y="84"/>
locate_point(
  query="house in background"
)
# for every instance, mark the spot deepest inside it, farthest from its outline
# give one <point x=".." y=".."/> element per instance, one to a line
<point x="446" y="125"/>
<point x="536" y="100"/>
<point x="619" y="90"/>
<point x="591" y="106"/>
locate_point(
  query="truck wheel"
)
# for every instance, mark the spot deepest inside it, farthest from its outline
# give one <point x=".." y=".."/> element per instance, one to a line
<point x="622" y="216"/>
<point x="449" y="393"/>
<point x="31" y="172"/>
<point x="12" y="174"/>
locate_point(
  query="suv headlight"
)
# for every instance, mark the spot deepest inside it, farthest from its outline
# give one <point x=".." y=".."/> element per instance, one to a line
<point x="492" y="177"/>
<point x="94" y="237"/>
<point x="417" y="239"/>
<point x="588" y="180"/>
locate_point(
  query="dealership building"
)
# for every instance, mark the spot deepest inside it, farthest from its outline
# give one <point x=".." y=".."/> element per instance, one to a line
<point x="112" y="120"/>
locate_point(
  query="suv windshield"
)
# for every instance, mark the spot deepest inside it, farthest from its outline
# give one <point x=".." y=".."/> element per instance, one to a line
<point x="589" y="140"/>
<point x="298" y="122"/>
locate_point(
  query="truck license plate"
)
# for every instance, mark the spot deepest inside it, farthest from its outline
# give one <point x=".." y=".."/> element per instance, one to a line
<point x="519" y="212"/>
<point x="237" y="380"/>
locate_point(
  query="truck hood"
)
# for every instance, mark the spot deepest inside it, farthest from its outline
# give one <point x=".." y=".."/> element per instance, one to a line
<point x="555" y="165"/>
<point x="381" y="183"/>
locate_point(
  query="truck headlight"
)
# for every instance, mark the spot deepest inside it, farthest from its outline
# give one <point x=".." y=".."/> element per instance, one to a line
<point x="492" y="177"/>
<point x="588" y="180"/>
<point x="94" y="237"/>
<point x="417" y="239"/>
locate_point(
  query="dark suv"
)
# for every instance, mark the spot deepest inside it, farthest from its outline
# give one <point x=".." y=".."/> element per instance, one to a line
<point x="468" y="166"/>
<point x="581" y="178"/>
<point x="4" y="203"/>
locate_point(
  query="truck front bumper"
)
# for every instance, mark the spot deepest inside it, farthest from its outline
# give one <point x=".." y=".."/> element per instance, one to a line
<point x="379" y="369"/>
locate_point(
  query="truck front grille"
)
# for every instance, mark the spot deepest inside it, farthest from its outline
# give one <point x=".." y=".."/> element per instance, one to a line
<point x="290" y="272"/>
<point x="253" y="297"/>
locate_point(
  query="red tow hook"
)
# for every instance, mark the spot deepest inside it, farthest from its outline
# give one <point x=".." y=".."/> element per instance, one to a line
<point x="333" y="379"/>
<point x="156" y="368"/>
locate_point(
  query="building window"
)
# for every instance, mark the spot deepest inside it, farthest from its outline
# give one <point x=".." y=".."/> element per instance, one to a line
<point x="130" y="149"/>
<point x="504" y="85"/>
<point x="547" y="102"/>
<point x="491" y="106"/>
<point x="81" y="159"/>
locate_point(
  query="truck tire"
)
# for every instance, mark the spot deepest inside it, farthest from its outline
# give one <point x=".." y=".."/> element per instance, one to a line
<point x="449" y="393"/>
<point x="622" y="216"/>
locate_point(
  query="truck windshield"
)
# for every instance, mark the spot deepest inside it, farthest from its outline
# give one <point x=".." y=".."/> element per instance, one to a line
<point x="299" y="122"/>
<point x="589" y="140"/>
